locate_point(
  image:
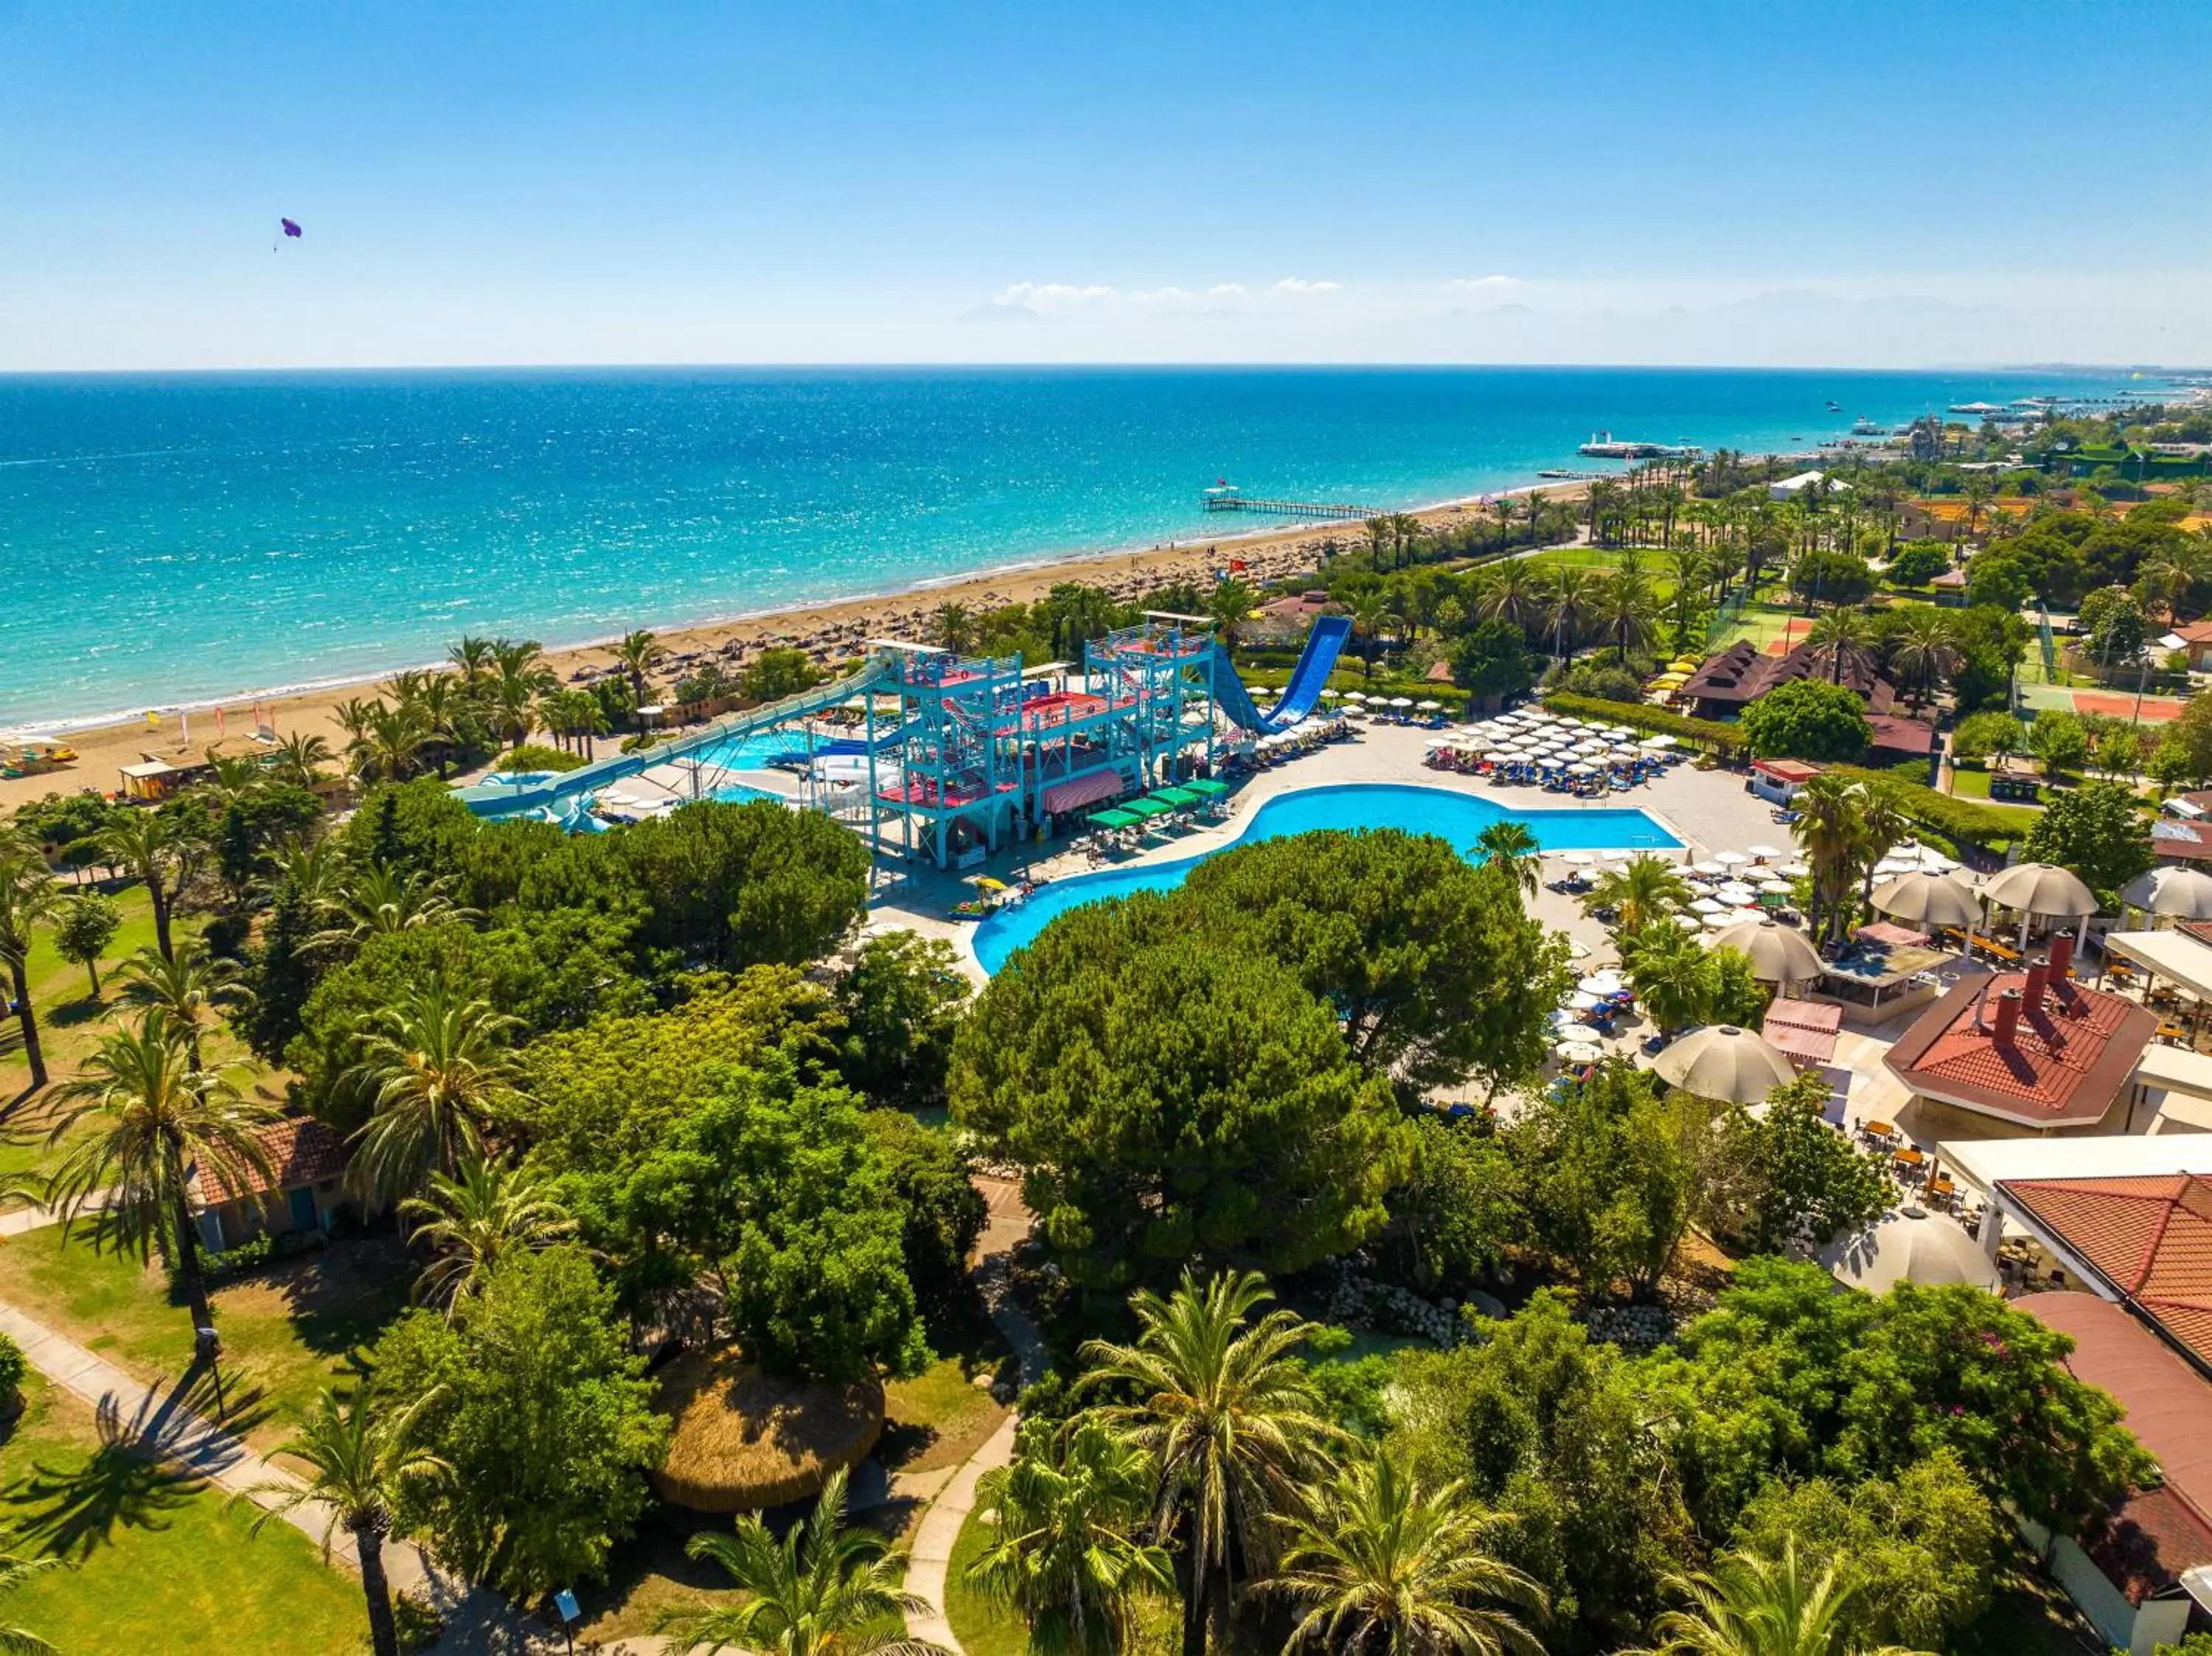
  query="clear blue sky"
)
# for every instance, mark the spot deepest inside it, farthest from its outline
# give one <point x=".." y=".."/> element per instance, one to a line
<point x="649" y="182"/>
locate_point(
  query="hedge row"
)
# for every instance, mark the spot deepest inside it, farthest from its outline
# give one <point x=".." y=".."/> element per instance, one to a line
<point x="1725" y="740"/>
<point x="1964" y="821"/>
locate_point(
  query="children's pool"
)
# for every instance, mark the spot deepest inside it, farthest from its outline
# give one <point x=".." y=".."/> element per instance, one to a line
<point x="1445" y="812"/>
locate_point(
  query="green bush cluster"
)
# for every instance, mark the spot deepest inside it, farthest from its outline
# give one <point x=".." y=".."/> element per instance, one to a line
<point x="1960" y="821"/>
<point x="1708" y="734"/>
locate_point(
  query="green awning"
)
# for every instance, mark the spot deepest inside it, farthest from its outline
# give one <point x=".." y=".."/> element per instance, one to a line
<point x="1176" y="797"/>
<point x="1207" y="786"/>
<point x="1114" y="817"/>
<point x="1147" y="807"/>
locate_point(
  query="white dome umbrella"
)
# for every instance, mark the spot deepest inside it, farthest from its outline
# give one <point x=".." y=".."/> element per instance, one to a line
<point x="1733" y="858"/>
<point x="1401" y="701"/>
<point x="1765" y="853"/>
<point x="1912" y="1246"/>
<point x="1794" y="870"/>
<point x="1712" y="865"/>
<point x="1735" y="892"/>
<point x="1721" y="1061"/>
<point x="1608" y="982"/>
<point x="2175" y="891"/>
<point x="1428" y="706"/>
<point x="1929" y="900"/>
<point x="1778" y="954"/>
<point x="1577" y="1001"/>
<point x="1708" y="906"/>
<point x="1578" y="1051"/>
<point x="2042" y="891"/>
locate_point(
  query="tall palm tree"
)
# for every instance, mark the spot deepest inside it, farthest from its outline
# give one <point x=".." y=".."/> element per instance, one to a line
<point x="823" y="1591"/>
<point x="1230" y="1417"/>
<point x="1625" y="608"/>
<point x="380" y="899"/>
<point x="299" y="760"/>
<point x="1570" y="603"/>
<point x="955" y="627"/>
<point x="637" y="655"/>
<point x="1748" y="1605"/>
<point x="1882" y="826"/>
<point x="193" y="986"/>
<point x="314" y="868"/>
<point x="1827" y="830"/>
<point x="436" y="1068"/>
<point x="1642" y="889"/>
<point x="1925" y="650"/>
<point x="359" y="1460"/>
<point x="150" y="1120"/>
<point x="1065" y="1551"/>
<point x="30" y="897"/>
<point x="154" y="847"/>
<point x="1509" y="845"/>
<point x="1512" y="590"/>
<point x="1838" y="639"/>
<point x="391" y="742"/>
<point x="485" y="1213"/>
<point x="1369" y="616"/>
<point x="471" y="658"/>
<point x="1672" y="971"/>
<point x="1387" y="1566"/>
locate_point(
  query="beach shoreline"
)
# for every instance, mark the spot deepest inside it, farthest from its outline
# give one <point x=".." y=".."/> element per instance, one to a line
<point x="104" y="743"/>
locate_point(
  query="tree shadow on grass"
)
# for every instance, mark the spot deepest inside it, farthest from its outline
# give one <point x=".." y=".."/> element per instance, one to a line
<point x="83" y="1010"/>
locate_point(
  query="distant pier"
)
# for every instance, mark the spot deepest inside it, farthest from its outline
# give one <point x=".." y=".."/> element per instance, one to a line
<point x="1224" y="498"/>
<point x="1604" y="445"/>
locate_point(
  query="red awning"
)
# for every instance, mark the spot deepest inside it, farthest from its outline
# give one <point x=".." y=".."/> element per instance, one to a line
<point x="1804" y="1045"/>
<point x="1083" y="791"/>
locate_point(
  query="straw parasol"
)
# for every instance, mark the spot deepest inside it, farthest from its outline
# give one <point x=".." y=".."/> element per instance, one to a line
<point x="745" y="1439"/>
<point x="1778" y="954"/>
<point x="2175" y="891"/>
<point x="2043" y="889"/>
<point x="1928" y="899"/>
<point x="1724" y="1062"/>
<point x="1912" y="1246"/>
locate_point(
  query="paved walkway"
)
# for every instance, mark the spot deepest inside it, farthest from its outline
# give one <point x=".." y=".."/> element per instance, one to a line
<point x="930" y="1562"/>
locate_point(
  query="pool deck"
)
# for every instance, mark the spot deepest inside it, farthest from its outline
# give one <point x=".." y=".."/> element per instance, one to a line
<point x="1708" y="811"/>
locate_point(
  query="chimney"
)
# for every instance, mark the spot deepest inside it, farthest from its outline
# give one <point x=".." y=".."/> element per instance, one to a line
<point x="2009" y="1018"/>
<point x="2062" y="961"/>
<point x="2038" y="980"/>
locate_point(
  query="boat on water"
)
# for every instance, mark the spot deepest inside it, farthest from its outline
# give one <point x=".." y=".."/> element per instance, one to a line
<point x="1863" y="427"/>
<point x="1975" y="408"/>
<point x="1835" y="407"/>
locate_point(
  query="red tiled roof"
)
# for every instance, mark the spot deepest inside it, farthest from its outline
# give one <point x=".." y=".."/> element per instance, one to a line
<point x="1893" y="733"/>
<point x="301" y="1151"/>
<point x="2065" y="1065"/>
<point x="2148" y="1235"/>
<point x="2156" y="1534"/>
<point x="1787" y="770"/>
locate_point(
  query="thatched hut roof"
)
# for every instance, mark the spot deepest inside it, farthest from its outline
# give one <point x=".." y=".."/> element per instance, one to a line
<point x="745" y="1439"/>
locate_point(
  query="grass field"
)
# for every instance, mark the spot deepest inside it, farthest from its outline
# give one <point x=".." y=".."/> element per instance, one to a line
<point x="286" y="1330"/>
<point x="154" y="1561"/>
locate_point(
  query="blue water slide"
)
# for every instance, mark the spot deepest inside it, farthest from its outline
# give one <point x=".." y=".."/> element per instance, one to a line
<point x="1324" y="644"/>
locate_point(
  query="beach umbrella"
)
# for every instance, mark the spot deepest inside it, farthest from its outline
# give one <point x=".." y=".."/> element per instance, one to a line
<point x="2043" y="889"/>
<point x="1712" y="866"/>
<point x="1929" y="1250"/>
<point x="1733" y="858"/>
<point x="1774" y="888"/>
<point x="1794" y="870"/>
<point x="1708" y="906"/>
<point x="1355" y="696"/>
<point x="1608" y="982"/>
<point x="1578" y="1051"/>
<point x="1499" y="756"/>
<point x="1429" y="707"/>
<point x="1401" y="701"/>
<point x="1580" y="769"/>
<point x="1724" y="1062"/>
<point x="1576" y="1001"/>
<point x="1617" y="855"/>
<point x="1765" y="853"/>
<point x="1778" y="954"/>
<point x="1735" y="896"/>
<point x="1719" y="920"/>
<point x="1660" y="741"/>
<point x="1928" y="899"/>
<point x="2180" y="892"/>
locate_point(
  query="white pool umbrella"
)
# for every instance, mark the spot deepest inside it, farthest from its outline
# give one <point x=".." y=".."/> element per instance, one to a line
<point x="1733" y="858"/>
<point x="1794" y="870"/>
<point x="1499" y="756"/>
<point x="1724" y="1062"/>
<point x="1579" y="1002"/>
<point x="1429" y="707"/>
<point x="2043" y="889"/>
<point x="1608" y="982"/>
<point x="1736" y="896"/>
<point x="1660" y="741"/>
<point x="1708" y="906"/>
<point x="2176" y="890"/>
<point x="1712" y="866"/>
<point x="1578" y="1051"/>
<point x="1765" y="853"/>
<point x="1774" y="888"/>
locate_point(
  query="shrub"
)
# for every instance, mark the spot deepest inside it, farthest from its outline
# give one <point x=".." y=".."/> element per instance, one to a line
<point x="1725" y="740"/>
<point x="13" y="1367"/>
<point x="536" y="756"/>
<point x="1807" y="719"/>
<point x="1960" y="821"/>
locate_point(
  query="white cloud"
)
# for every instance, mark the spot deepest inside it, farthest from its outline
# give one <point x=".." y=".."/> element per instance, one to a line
<point x="1493" y="285"/>
<point x="1300" y="285"/>
<point x="1064" y="297"/>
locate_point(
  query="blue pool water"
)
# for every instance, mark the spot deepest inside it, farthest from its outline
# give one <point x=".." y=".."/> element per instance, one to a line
<point x="1450" y="814"/>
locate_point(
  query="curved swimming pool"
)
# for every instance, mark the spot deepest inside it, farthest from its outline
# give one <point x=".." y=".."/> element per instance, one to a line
<point x="1446" y="813"/>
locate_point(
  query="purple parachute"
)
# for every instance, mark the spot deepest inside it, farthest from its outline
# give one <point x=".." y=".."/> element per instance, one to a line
<point x="290" y="228"/>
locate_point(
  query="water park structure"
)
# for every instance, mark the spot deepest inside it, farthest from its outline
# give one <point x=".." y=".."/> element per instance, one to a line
<point x="946" y="757"/>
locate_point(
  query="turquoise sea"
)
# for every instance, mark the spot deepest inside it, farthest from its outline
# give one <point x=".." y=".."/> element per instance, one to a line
<point x="171" y="539"/>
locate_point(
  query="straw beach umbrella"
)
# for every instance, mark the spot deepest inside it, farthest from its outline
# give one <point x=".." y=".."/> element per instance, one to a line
<point x="2176" y="892"/>
<point x="1914" y="1245"/>
<point x="1778" y="954"/>
<point x="1929" y="900"/>
<point x="1724" y="1062"/>
<point x="2042" y="891"/>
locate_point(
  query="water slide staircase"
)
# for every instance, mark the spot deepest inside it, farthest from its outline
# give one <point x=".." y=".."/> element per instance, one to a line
<point x="1324" y="644"/>
<point x="561" y="797"/>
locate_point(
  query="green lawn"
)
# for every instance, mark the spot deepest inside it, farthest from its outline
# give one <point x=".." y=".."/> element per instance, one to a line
<point x="286" y="1330"/>
<point x="154" y="1561"/>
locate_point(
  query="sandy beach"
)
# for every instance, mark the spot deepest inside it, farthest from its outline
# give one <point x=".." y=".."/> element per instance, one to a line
<point x="830" y="630"/>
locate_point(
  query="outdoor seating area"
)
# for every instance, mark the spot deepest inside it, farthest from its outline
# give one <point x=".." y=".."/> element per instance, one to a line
<point x="1125" y="829"/>
<point x="1279" y="747"/>
<point x="1389" y="710"/>
<point x="1530" y="748"/>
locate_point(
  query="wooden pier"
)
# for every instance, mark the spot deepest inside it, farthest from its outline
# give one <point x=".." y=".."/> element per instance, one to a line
<point x="1223" y="501"/>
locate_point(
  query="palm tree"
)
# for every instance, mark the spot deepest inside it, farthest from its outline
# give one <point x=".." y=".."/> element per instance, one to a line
<point x="1672" y="972"/>
<point x="638" y="654"/>
<point x="14" y="1572"/>
<point x="153" y="846"/>
<point x="192" y="987"/>
<point x="1641" y="890"/>
<point x="471" y="657"/>
<point x="1385" y="1566"/>
<point x="1509" y="845"/>
<point x="1230" y="1417"/>
<point x="152" y="1119"/>
<point x="299" y="760"/>
<point x="823" y="1591"/>
<point x="314" y="868"/>
<point x="1570" y="604"/>
<point x="1838" y="637"/>
<point x="955" y="626"/>
<point x="436" y="1069"/>
<point x="392" y="740"/>
<point x="1512" y="590"/>
<point x="1368" y="615"/>
<point x="1882" y="826"/>
<point x="1625" y="609"/>
<point x="1827" y="830"/>
<point x="1064" y="1552"/>
<point x="1924" y="649"/>
<point x="1748" y="1605"/>
<point x="359" y="1460"/>
<point x="486" y="1213"/>
<point x="29" y="897"/>
<point x="380" y="899"/>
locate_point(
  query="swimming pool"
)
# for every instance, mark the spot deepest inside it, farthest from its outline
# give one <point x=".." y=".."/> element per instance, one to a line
<point x="1445" y="812"/>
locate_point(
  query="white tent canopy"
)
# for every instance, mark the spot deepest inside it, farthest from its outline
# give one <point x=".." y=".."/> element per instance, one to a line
<point x="2174" y="955"/>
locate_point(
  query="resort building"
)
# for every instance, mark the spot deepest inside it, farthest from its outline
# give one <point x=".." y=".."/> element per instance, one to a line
<point x="232" y="1202"/>
<point x="1795" y="486"/>
<point x="2031" y="1049"/>
<point x="1732" y="679"/>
